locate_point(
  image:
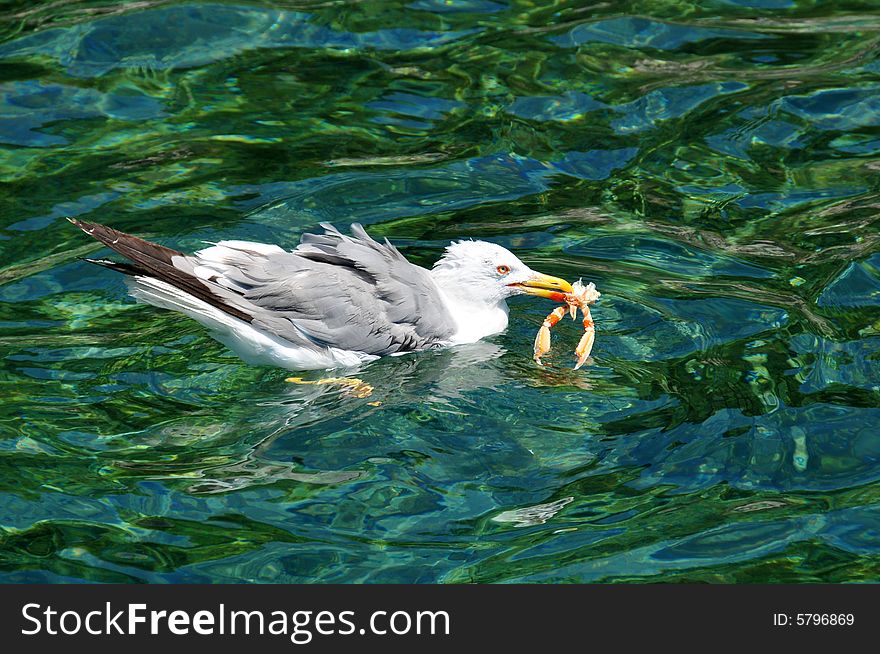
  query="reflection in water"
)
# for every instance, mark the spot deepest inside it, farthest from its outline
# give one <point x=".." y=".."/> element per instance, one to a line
<point x="800" y="458"/>
<point x="717" y="183"/>
<point x="434" y="379"/>
<point x="532" y="515"/>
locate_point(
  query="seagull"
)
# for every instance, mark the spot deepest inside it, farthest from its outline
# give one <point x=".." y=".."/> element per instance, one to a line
<point x="334" y="301"/>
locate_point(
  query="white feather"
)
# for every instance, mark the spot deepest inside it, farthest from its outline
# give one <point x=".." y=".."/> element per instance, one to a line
<point x="252" y="345"/>
<point x="218" y="259"/>
<point x="224" y="251"/>
<point x="474" y="321"/>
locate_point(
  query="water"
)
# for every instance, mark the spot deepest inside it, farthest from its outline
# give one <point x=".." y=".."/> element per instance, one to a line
<point x="712" y="166"/>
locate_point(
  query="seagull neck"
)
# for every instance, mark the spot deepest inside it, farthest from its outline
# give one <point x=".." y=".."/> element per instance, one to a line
<point x="475" y="317"/>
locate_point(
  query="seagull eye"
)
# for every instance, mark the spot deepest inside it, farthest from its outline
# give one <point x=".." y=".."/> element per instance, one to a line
<point x="503" y="270"/>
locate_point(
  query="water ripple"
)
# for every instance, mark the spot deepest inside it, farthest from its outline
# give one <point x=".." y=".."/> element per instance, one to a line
<point x="711" y="167"/>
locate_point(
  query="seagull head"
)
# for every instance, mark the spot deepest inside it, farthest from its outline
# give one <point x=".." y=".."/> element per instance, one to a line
<point x="486" y="273"/>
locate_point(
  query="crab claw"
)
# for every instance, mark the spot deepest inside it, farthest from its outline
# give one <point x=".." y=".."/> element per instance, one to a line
<point x="573" y="311"/>
<point x="542" y="343"/>
<point x="584" y="347"/>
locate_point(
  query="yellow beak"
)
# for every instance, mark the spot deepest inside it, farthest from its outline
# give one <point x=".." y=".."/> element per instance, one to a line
<point x="545" y="286"/>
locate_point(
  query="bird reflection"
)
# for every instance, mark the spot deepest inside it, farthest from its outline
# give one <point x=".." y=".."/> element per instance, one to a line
<point x="438" y="379"/>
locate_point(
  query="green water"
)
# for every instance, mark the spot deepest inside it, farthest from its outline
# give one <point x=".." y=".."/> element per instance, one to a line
<point x="713" y="167"/>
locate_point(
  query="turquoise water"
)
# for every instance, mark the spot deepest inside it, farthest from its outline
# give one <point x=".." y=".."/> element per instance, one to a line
<point x="712" y="167"/>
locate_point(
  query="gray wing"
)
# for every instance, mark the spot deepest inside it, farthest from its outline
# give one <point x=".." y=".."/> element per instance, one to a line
<point x="349" y="292"/>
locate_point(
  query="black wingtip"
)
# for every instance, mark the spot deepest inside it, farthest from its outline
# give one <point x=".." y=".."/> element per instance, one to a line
<point x="88" y="228"/>
<point x="124" y="268"/>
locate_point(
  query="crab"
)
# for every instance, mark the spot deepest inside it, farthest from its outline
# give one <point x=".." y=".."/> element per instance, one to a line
<point x="581" y="296"/>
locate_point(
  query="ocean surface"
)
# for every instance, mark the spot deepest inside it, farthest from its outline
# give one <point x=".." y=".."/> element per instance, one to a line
<point x="714" y="167"/>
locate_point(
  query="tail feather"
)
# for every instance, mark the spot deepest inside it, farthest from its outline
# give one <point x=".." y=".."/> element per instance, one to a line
<point x="154" y="260"/>
<point x="124" y="268"/>
<point x="127" y="245"/>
